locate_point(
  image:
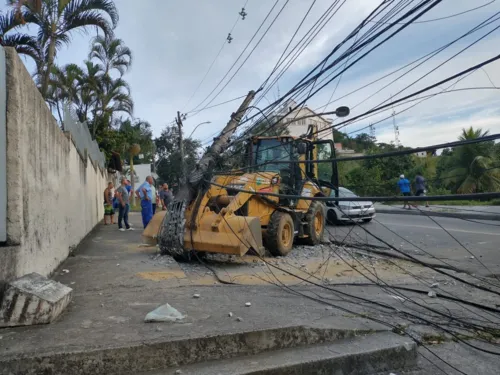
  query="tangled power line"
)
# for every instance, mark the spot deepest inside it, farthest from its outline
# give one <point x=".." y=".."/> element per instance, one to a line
<point x="382" y="24"/>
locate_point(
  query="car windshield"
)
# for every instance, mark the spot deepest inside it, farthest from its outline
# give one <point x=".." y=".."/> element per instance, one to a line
<point x="269" y="150"/>
<point x="344" y="193"/>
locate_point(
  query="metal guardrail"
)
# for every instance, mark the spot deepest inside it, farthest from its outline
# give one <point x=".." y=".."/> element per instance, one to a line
<point x="3" y="147"/>
<point x="82" y="138"/>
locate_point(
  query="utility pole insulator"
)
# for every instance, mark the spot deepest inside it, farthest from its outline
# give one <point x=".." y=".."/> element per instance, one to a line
<point x="243" y="14"/>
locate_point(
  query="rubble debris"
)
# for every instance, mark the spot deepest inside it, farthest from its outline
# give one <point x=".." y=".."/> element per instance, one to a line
<point x="435" y="285"/>
<point x="196" y="295"/>
<point x="432" y="294"/>
<point x="164" y="313"/>
<point x="230" y="314"/>
<point x="248" y="304"/>
<point x="65" y="271"/>
<point x="33" y="299"/>
<point x="239" y="319"/>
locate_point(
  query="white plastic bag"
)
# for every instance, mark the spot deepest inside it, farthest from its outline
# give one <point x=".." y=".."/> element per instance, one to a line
<point x="164" y="313"/>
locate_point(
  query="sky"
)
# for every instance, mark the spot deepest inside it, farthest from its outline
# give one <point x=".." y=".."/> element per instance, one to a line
<point x="175" y="42"/>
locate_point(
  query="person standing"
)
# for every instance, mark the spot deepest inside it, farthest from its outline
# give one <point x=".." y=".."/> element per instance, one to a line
<point x="153" y="191"/>
<point x="144" y="193"/>
<point x="124" y="205"/>
<point x="108" y="205"/>
<point x="420" y="187"/>
<point x="166" y="196"/>
<point x="404" y="188"/>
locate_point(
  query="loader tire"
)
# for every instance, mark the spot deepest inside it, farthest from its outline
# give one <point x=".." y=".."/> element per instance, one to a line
<point x="280" y="234"/>
<point x="315" y="223"/>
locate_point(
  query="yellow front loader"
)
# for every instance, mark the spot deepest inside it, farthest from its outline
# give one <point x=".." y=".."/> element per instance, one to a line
<point x="242" y="211"/>
<point x="261" y="206"/>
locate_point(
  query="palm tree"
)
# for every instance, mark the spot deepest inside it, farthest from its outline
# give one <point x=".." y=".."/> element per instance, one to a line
<point x="89" y="89"/>
<point x="64" y="87"/>
<point x="58" y="19"/>
<point x="112" y="54"/>
<point x="474" y="171"/>
<point x="113" y="97"/>
<point x="24" y="44"/>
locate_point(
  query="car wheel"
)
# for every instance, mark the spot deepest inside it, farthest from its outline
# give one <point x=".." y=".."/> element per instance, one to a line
<point x="367" y="220"/>
<point x="331" y="217"/>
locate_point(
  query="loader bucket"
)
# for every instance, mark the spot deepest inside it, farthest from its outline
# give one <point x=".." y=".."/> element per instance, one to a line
<point x="150" y="233"/>
<point x="235" y="235"/>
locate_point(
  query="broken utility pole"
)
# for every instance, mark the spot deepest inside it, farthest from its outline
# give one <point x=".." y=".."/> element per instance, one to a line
<point x="206" y="162"/>
<point x="178" y="121"/>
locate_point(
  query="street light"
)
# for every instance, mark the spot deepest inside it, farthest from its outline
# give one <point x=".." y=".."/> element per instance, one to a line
<point x="196" y="127"/>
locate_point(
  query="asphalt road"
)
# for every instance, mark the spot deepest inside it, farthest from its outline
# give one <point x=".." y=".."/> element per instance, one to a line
<point x="472" y="246"/>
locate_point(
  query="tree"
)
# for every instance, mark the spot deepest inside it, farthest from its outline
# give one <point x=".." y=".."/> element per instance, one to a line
<point x="138" y="132"/>
<point x="471" y="167"/>
<point x="24" y="44"/>
<point x="169" y="167"/>
<point x="96" y="96"/>
<point x="57" y="20"/>
<point x="363" y="142"/>
<point x="111" y="54"/>
<point x="112" y="97"/>
<point x="64" y="88"/>
<point x="390" y="167"/>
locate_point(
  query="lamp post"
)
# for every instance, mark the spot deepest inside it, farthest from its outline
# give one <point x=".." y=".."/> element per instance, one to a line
<point x="196" y="127"/>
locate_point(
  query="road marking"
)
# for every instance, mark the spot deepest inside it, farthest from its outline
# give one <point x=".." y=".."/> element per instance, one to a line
<point x="448" y="229"/>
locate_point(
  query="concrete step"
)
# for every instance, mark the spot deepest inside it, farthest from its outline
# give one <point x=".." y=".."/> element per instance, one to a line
<point x="379" y="353"/>
<point x="166" y="353"/>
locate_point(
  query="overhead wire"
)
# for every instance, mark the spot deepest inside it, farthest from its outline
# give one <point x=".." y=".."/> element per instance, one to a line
<point x="394" y="33"/>
<point x="315" y="29"/>
<point x="458" y="338"/>
<point x="214" y="60"/>
<point x="356" y="297"/>
<point x="427" y="57"/>
<point x="237" y="59"/>
<point x="459" y="243"/>
<point x="368" y="301"/>
<point x="453" y="15"/>
<point x="343" y="56"/>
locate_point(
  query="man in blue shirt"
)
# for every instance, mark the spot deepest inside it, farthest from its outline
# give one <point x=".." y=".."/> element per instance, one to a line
<point x="404" y="188"/>
<point x="145" y="194"/>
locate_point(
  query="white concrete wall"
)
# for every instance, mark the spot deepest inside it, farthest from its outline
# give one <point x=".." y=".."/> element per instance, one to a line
<point x="55" y="195"/>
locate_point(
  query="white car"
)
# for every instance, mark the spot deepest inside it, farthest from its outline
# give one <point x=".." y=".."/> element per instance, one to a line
<point x="347" y="211"/>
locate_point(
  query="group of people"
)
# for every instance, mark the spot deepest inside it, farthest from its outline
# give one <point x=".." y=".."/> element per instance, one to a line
<point x="119" y="199"/>
<point x="405" y="189"/>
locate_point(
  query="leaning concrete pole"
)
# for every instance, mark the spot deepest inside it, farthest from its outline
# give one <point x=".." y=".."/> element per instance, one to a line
<point x="220" y="143"/>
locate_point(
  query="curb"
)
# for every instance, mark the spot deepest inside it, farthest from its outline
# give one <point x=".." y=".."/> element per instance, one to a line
<point x="161" y="354"/>
<point x="456" y="215"/>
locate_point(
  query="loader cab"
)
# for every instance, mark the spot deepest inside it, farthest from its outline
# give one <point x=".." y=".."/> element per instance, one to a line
<point x="278" y="154"/>
<point x="272" y="154"/>
<point x="281" y="154"/>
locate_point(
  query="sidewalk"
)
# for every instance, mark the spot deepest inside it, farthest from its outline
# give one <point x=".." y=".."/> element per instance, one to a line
<point x="463" y="212"/>
<point x="117" y="280"/>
